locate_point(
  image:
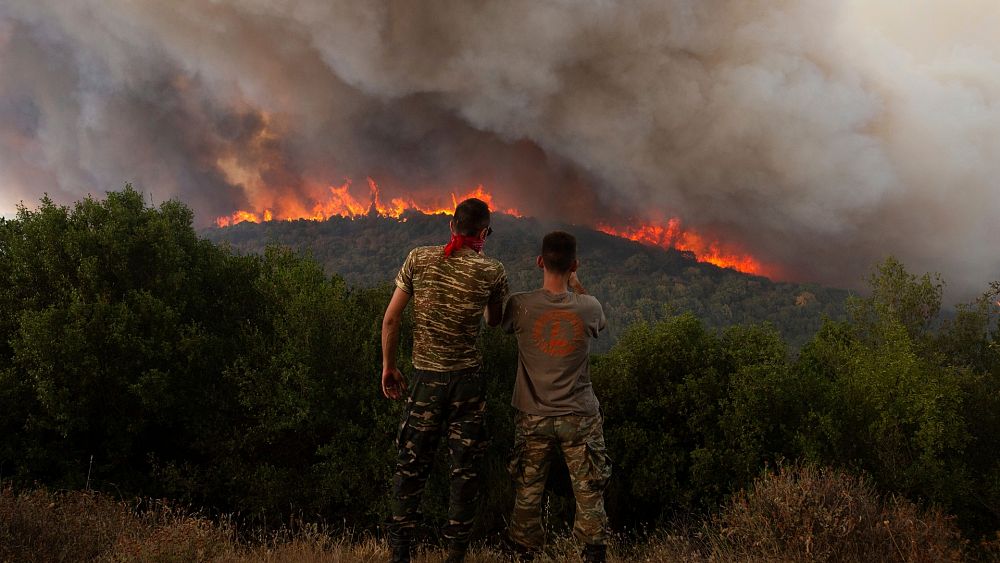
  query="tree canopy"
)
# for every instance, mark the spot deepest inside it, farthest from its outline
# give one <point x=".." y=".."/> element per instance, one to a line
<point x="139" y="358"/>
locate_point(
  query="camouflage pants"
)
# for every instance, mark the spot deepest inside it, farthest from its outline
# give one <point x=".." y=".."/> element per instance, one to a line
<point x="438" y="403"/>
<point x="581" y="440"/>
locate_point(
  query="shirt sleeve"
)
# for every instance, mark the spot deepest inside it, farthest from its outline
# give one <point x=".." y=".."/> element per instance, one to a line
<point x="499" y="290"/>
<point x="404" y="279"/>
<point x="602" y="322"/>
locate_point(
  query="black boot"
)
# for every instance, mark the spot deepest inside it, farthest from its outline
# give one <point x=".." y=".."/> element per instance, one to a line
<point x="594" y="553"/>
<point x="400" y="553"/>
<point x="518" y="552"/>
<point x="399" y="547"/>
<point x="455" y="555"/>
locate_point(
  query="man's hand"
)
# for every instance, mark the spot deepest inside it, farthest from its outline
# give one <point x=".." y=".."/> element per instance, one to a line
<point x="393" y="383"/>
<point x="575" y="285"/>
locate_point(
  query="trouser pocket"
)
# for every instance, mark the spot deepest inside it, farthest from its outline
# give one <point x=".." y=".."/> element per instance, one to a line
<point x="598" y="465"/>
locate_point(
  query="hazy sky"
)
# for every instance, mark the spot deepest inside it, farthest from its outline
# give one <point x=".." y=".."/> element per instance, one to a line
<point x="819" y="135"/>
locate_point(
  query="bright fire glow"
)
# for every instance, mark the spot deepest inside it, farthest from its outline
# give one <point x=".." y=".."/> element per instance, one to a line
<point x="340" y="202"/>
<point x="705" y="249"/>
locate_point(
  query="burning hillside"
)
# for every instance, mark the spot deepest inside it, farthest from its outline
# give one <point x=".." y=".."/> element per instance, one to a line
<point x="341" y="202"/>
<point x="635" y="281"/>
<point x="802" y="140"/>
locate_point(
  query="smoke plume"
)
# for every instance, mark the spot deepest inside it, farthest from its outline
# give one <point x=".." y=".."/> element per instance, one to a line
<point x="817" y="135"/>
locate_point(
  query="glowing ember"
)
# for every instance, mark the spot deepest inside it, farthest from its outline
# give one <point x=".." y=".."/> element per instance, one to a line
<point x="704" y="249"/>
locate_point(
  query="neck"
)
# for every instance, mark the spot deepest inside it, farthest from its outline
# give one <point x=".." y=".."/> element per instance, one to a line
<point x="555" y="283"/>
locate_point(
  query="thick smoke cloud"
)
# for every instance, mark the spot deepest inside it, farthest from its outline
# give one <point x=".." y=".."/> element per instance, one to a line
<point x="820" y="135"/>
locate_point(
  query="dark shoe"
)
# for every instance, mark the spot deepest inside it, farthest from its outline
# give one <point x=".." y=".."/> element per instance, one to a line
<point x="518" y="552"/>
<point x="455" y="556"/>
<point x="400" y="554"/>
<point x="594" y="553"/>
<point x="399" y="547"/>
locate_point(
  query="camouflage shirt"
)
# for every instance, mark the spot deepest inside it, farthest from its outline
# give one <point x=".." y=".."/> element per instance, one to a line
<point x="449" y="295"/>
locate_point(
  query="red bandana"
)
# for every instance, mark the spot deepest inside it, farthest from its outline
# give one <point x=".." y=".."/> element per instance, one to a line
<point x="458" y="241"/>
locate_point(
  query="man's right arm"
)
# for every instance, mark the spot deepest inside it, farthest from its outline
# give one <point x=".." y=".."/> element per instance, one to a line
<point x="575" y="285"/>
<point x="393" y="381"/>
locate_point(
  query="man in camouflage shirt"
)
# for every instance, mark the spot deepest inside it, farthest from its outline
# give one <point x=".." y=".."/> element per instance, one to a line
<point x="555" y="401"/>
<point x="452" y="287"/>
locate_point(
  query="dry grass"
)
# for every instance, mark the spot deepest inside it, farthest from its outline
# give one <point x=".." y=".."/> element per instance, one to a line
<point x="83" y="526"/>
<point x="803" y="513"/>
<point x="797" y="514"/>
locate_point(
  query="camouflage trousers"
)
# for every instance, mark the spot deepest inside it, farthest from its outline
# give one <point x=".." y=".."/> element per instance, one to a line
<point x="581" y="441"/>
<point x="451" y="403"/>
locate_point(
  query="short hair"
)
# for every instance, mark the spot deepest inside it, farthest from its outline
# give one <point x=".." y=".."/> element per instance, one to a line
<point x="558" y="251"/>
<point x="471" y="217"/>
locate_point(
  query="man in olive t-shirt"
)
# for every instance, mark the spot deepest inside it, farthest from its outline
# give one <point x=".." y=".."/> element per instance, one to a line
<point x="452" y="288"/>
<point x="557" y="408"/>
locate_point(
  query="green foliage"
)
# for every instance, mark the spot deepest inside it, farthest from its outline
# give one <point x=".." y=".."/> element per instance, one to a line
<point x="915" y="407"/>
<point x="690" y="414"/>
<point x="635" y="282"/>
<point x="185" y="370"/>
<point x="693" y="415"/>
<point x="897" y="416"/>
<point x="250" y="383"/>
<point x="898" y="298"/>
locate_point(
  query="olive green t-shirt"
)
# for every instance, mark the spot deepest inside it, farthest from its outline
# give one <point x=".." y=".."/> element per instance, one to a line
<point x="553" y="351"/>
<point x="449" y="295"/>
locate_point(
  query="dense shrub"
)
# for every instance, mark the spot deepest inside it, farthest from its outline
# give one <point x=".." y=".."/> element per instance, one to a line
<point x="692" y="415"/>
<point x="146" y="360"/>
<point x="803" y="513"/>
<point x="137" y="358"/>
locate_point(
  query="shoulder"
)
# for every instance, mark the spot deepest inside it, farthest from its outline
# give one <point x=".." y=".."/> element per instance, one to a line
<point x="423" y="254"/>
<point x="588" y="301"/>
<point x="488" y="268"/>
<point x="427" y="250"/>
<point x="491" y="264"/>
<point x="517" y="296"/>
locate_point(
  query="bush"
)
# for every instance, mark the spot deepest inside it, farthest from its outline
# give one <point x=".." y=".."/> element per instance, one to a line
<point x="41" y="526"/>
<point x="804" y="513"/>
<point x="143" y="360"/>
<point x="183" y="370"/>
<point x="690" y="415"/>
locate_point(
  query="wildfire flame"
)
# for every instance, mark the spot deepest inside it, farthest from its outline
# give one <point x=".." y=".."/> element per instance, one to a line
<point x="674" y="236"/>
<point x="340" y="202"/>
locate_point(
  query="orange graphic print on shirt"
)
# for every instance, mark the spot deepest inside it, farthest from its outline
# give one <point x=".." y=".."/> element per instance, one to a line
<point x="557" y="333"/>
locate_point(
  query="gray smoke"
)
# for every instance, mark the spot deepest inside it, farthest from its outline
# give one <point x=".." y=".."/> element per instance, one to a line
<point x="818" y="135"/>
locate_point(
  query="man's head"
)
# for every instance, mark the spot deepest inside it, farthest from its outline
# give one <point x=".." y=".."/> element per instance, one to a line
<point x="472" y="217"/>
<point x="558" y="253"/>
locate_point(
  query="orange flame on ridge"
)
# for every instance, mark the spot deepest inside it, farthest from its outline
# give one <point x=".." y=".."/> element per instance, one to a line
<point x="675" y="237"/>
<point x="340" y="202"/>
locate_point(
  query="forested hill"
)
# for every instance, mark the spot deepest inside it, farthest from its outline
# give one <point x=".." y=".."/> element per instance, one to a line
<point x="635" y="282"/>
